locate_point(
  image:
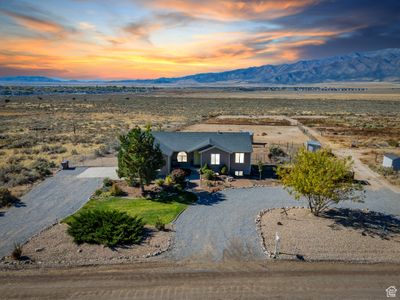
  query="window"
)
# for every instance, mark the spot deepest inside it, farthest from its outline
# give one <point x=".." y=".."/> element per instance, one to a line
<point x="238" y="173"/>
<point x="215" y="158"/>
<point x="239" y="158"/>
<point x="182" y="157"/>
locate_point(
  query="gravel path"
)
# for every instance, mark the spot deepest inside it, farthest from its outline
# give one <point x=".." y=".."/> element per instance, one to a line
<point x="221" y="226"/>
<point x="52" y="200"/>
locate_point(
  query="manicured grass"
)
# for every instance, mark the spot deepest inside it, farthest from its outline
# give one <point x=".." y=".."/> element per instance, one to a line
<point x="148" y="210"/>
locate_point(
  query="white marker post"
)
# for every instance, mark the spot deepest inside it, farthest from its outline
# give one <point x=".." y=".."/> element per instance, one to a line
<point x="277" y="244"/>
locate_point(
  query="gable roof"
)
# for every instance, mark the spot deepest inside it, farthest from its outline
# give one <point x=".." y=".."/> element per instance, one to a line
<point x="190" y="141"/>
<point x="392" y="156"/>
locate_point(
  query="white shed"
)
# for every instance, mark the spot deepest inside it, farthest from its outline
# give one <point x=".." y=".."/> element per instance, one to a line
<point x="391" y="160"/>
<point x="313" y="145"/>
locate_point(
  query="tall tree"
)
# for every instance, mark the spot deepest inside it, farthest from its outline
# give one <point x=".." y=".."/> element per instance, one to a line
<point x="321" y="178"/>
<point x="139" y="157"/>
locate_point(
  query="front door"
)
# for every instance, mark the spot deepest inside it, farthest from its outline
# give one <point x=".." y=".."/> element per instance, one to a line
<point x="196" y="159"/>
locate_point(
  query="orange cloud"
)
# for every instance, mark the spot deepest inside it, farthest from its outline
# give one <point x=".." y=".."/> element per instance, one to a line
<point x="225" y="10"/>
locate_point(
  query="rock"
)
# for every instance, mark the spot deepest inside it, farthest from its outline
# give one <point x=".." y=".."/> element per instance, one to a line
<point x="39" y="249"/>
<point x="279" y="223"/>
<point x="79" y="250"/>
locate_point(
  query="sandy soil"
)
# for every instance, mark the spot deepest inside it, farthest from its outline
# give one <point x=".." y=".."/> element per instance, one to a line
<point x="54" y="247"/>
<point x="340" y="235"/>
<point x="262" y="133"/>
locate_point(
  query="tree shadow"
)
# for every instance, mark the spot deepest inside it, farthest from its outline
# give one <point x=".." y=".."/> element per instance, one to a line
<point x="16" y="202"/>
<point x="373" y="224"/>
<point x="207" y="198"/>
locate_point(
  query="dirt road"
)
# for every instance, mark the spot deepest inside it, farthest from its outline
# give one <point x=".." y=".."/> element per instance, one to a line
<point x="226" y="281"/>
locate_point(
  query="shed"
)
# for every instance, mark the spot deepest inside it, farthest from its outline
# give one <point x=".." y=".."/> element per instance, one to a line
<point x="391" y="160"/>
<point x="313" y="145"/>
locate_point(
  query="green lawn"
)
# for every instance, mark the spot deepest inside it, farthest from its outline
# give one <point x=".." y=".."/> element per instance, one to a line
<point x="148" y="210"/>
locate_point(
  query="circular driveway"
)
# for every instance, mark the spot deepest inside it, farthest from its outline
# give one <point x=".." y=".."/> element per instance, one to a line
<point x="222" y="225"/>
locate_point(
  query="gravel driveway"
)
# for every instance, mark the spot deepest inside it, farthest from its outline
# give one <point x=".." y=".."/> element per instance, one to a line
<point x="221" y="226"/>
<point x="52" y="200"/>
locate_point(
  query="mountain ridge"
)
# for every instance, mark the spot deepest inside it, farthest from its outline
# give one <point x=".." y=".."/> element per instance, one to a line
<point x="379" y="65"/>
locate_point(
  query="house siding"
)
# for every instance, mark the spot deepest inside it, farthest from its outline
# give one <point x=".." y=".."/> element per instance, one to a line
<point x="245" y="166"/>
<point x="164" y="169"/>
<point x="206" y="159"/>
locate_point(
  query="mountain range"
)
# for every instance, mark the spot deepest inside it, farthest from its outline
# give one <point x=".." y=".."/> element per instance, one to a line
<point x="380" y="65"/>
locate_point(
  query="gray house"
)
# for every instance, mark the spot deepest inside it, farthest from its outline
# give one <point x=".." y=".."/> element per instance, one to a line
<point x="216" y="149"/>
<point x="391" y="160"/>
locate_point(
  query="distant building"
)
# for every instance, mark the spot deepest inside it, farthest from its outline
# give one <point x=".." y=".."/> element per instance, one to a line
<point x="313" y="145"/>
<point x="391" y="160"/>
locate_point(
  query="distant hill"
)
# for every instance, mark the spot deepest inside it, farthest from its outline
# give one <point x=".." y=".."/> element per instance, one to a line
<point x="381" y="65"/>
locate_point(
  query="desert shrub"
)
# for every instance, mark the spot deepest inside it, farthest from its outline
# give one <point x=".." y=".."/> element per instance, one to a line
<point x="56" y="149"/>
<point x="208" y="174"/>
<point x="74" y="152"/>
<point x="22" y="143"/>
<point x="107" y="182"/>
<point x="224" y="170"/>
<point x="393" y="143"/>
<point x="6" y="198"/>
<point x="106" y="227"/>
<point x="102" y="151"/>
<point x="160" y="225"/>
<point x="17" y="251"/>
<point x="116" y="191"/>
<point x="160" y="182"/>
<point x="276" y="151"/>
<point x="178" y="176"/>
<point x="43" y="166"/>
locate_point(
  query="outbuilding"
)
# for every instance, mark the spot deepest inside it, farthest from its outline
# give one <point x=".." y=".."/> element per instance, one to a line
<point x="391" y="160"/>
<point x="313" y="145"/>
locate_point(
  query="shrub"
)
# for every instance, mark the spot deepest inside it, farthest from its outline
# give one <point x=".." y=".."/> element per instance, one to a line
<point x="393" y="143"/>
<point x="42" y="166"/>
<point x="168" y="180"/>
<point x="178" y="176"/>
<point x="74" y="152"/>
<point x="224" y="170"/>
<point x="208" y="175"/>
<point x="276" y="151"/>
<point x="160" y="182"/>
<point x="116" y="191"/>
<point x="6" y="198"/>
<point x="98" y="192"/>
<point x="204" y="168"/>
<point x="107" y="182"/>
<point x="106" y="227"/>
<point x="17" y="251"/>
<point x="160" y="225"/>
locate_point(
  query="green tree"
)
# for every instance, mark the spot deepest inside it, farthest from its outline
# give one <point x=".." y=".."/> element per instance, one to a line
<point x="139" y="157"/>
<point x="260" y="166"/>
<point x="321" y="178"/>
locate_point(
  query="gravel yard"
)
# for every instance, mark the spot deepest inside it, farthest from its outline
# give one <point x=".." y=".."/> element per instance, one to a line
<point x="54" y="247"/>
<point x="52" y="200"/>
<point x="340" y="234"/>
<point x="222" y="225"/>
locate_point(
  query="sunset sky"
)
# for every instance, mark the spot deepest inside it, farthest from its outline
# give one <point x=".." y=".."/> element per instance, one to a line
<point x="129" y="39"/>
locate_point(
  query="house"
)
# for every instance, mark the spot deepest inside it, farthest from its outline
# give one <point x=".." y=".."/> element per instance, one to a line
<point x="391" y="160"/>
<point x="313" y="145"/>
<point x="216" y="149"/>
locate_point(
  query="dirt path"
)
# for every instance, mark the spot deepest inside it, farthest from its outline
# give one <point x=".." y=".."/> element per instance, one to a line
<point x="228" y="281"/>
<point x="362" y="172"/>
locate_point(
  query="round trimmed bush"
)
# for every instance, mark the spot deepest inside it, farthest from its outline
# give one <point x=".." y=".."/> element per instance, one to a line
<point x="106" y="227"/>
<point x="178" y="176"/>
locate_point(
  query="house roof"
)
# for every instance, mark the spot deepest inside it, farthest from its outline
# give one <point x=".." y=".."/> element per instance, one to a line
<point x="313" y="143"/>
<point x="392" y="156"/>
<point x="190" y="141"/>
